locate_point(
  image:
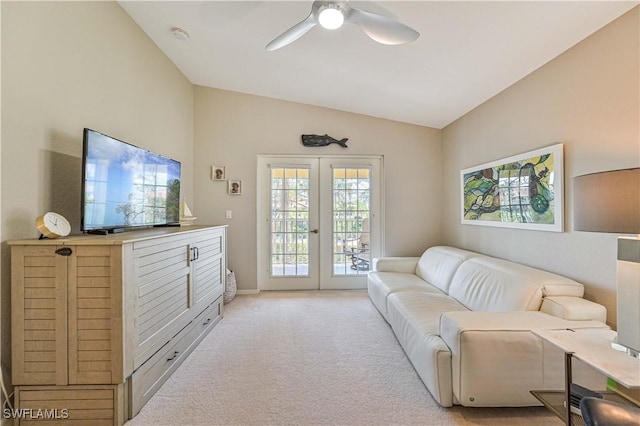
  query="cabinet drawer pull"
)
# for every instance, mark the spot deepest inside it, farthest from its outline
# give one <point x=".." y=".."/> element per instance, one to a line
<point x="64" y="251"/>
<point x="207" y="321"/>
<point x="175" y="355"/>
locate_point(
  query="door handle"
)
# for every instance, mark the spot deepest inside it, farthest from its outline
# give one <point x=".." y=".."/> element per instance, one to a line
<point x="195" y="253"/>
<point x="315" y="231"/>
<point x="64" y="251"/>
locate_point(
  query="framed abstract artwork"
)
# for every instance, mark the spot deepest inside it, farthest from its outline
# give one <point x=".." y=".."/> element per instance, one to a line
<point x="524" y="191"/>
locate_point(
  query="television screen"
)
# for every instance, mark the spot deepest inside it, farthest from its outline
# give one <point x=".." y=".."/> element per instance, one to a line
<point x="125" y="186"/>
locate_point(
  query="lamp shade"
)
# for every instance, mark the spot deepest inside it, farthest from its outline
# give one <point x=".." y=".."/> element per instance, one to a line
<point x="607" y="202"/>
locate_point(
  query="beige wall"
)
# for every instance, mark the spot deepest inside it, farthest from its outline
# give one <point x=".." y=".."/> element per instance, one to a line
<point x="66" y="66"/>
<point x="588" y="99"/>
<point x="232" y="129"/>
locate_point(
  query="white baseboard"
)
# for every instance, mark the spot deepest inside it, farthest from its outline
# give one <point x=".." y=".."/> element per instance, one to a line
<point x="247" y="291"/>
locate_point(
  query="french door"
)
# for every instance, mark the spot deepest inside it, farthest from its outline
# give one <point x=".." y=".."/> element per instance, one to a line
<point x="319" y="221"/>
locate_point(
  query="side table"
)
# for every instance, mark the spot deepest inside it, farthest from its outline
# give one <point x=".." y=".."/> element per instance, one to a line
<point x="593" y="347"/>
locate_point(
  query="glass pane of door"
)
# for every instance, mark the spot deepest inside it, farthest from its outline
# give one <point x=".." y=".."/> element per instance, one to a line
<point x="351" y="220"/>
<point x="289" y="222"/>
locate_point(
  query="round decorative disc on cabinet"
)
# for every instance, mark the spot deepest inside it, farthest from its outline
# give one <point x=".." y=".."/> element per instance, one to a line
<point x="53" y="225"/>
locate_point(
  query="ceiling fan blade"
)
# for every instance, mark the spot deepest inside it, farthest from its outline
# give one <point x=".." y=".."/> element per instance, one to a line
<point x="381" y="28"/>
<point x="293" y="33"/>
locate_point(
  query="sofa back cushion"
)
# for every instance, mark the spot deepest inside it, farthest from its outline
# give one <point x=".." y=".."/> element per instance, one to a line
<point x="438" y="264"/>
<point x="490" y="284"/>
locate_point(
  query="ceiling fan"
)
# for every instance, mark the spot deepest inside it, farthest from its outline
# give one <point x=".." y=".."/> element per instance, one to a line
<point x="332" y="14"/>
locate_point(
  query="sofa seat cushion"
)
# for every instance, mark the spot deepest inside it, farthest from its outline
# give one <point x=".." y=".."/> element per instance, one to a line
<point x="413" y="315"/>
<point x="381" y="284"/>
<point x="438" y="265"/>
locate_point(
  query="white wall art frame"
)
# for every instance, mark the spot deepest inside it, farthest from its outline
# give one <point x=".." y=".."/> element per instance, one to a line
<point x="218" y="173"/>
<point x="524" y="191"/>
<point x="234" y="187"/>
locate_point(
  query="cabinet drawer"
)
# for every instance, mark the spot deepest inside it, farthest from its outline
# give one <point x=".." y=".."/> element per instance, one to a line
<point x="206" y="320"/>
<point x="145" y="381"/>
<point x="152" y="374"/>
<point x="75" y="405"/>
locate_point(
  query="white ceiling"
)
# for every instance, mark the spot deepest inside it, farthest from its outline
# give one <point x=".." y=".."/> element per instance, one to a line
<point x="468" y="51"/>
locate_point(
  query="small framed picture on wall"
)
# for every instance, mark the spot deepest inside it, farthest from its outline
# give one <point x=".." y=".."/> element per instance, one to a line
<point x="235" y="187"/>
<point x="218" y="173"/>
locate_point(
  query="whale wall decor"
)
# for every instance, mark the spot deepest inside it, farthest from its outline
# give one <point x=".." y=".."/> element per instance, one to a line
<point x="322" y="140"/>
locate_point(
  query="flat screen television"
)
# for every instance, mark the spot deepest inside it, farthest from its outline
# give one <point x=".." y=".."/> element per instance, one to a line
<point x="124" y="186"/>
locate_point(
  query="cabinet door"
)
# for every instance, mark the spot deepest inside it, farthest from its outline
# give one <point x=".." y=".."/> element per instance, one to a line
<point x="39" y="315"/>
<point x="209" y="266"/>
<point x="160" y="299"/>
<point x="95" y="315"/>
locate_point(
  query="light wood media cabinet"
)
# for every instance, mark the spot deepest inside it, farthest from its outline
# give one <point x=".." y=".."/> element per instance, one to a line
<point x="100" y="322"/>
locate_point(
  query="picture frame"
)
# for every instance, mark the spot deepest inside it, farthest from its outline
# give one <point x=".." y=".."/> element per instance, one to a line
<point x="524" y="191"/>
<point x="234" y="187"/>
<point x="218" y="173"/>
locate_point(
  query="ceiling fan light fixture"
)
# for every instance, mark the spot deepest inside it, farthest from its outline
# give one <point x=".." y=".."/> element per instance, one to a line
<point x="331" y="16"/>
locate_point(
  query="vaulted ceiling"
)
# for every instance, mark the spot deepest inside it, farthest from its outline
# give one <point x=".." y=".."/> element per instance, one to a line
<point x="468" y="51"/>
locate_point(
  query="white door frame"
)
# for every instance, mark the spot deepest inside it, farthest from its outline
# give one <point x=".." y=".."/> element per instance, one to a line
<point x="263" y="211"/>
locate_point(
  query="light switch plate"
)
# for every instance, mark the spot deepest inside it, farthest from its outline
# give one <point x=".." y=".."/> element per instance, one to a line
<point x="228" y="214"/>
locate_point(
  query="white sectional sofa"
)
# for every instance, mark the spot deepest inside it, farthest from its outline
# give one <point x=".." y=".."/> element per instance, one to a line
<point x="465" y="319"/>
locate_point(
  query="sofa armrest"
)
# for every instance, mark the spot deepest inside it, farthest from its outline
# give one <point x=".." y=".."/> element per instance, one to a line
<point x="489" y="348"/>
<point x="573" y="308"/>
<point x="405" y="265"/>
<point x="454" y="324"/>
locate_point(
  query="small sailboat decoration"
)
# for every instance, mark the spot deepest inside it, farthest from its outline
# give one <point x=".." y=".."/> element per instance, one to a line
<point x="187" y="217"/>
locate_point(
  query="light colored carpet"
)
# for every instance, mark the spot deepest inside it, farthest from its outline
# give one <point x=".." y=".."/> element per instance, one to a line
<point x="308" y="358"/>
